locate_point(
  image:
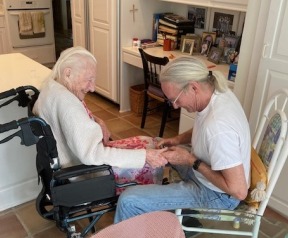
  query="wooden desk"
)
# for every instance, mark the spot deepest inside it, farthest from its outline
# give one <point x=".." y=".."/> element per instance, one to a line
<point x="132" y="76"/>
<point x="18" y="175"/>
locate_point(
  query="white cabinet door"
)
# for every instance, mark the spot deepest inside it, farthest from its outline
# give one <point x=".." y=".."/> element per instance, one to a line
<point x="186" y="120"/>
<point x="103" y="40"/>
<point x="78" y="14"/>
<point x="3" y="37"/>
<point x="273" y="75"/>
<point x="3" y="41"/>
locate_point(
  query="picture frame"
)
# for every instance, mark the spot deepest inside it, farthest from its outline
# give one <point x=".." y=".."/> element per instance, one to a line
<point x="205" y="47"/>
<point x="226" y="51"/>
<point x="187" y="47"/>
<point x="231" y="41"/>
<point x="232" y="16"/>
<point x="211" y="36"/>
<point x="215" y="55"/>
<point x="197" y="42"/>
<point x="231" y="55"/>
<point x="198" y="15"/>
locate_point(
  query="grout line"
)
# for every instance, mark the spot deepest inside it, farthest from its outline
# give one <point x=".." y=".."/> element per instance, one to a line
<point x="23" y="224"/>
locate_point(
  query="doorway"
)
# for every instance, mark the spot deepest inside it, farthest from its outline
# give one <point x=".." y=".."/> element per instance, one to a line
<point x="62" y="25"/>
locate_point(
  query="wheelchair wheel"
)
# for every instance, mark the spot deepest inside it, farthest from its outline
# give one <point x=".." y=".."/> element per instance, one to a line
<point x="44" y="207"/>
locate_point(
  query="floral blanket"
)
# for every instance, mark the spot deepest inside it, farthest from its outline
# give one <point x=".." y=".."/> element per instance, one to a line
<point x="146" y="175"/>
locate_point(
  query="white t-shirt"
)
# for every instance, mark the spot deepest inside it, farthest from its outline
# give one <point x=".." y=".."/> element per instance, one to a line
<point x="221" y="136"/>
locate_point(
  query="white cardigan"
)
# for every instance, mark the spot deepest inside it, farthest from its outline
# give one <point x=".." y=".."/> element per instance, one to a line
<point x="79" y="139"/>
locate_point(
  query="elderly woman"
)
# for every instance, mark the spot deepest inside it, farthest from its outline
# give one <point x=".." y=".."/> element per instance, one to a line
<point x="80" y="137"/>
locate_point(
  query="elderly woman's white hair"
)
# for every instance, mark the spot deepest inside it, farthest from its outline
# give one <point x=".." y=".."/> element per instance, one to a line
<point x="75" y="58"/>
<point x="186" y="69"/>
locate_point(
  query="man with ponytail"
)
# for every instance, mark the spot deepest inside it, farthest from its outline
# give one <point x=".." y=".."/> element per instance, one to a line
<point x="215" y="173"/>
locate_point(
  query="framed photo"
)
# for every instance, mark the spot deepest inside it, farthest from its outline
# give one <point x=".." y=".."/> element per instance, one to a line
<point x="222" y="43"/>
<point x="225" y="54"/>
<point x="224" y="20"/>
<point x="198" y="15"/>
<point x="215" y="55"/>
<point x="231" y="56"/>
<point x="231" y="41"/>
<point x="210" y="36"/>
<point x="205" y="47"/>
<point x="197" y="42"/>
<point x="187" y="47"/>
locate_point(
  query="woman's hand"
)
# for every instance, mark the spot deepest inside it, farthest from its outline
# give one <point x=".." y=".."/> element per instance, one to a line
<point x="106" y="133"/>
<point x="179" y="156"/>
<point x="155" y="158"/>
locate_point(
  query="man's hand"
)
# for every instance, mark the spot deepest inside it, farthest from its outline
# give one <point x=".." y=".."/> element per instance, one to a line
<point x="179" y="156"/>
<point x="155" y="158"/>
<point x="168" y="142"/>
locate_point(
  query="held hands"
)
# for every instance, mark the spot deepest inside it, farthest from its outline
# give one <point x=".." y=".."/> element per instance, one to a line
<point x="179" y="156"/>
<point x="155" y="158"/>
<point x="106" y="133"/>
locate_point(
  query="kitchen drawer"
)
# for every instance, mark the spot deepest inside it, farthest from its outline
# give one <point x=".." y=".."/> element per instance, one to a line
<point x="2" y="21"/>
<point x="188" y="114"/>
<point x="132" y="59"/>
<point x="186" y="123"/>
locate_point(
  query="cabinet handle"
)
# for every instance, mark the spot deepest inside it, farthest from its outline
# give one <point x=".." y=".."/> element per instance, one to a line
<point x="264" y="51"/>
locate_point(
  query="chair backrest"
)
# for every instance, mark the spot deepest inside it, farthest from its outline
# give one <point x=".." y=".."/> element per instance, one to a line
<point x="153" y="224"/>
<point x="270" y="140"/>
<point x="152" y="67"/>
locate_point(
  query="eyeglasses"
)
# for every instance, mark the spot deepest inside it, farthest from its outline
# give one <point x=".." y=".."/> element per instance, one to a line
<point x="176" y="99"/>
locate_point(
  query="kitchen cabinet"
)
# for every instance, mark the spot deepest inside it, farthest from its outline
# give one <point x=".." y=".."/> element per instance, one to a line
<point x="79" y="27"/>
<point x="3" y="36"/>
<point x="94" y="24"/>
<point x="186" y="121"/>
<point x="103" y="45"/>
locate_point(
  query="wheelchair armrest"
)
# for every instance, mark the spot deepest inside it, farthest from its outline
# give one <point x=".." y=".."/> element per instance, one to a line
<point x="78" y="170"/>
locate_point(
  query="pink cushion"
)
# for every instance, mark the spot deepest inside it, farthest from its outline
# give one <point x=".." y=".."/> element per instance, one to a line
<point x="153" y="224"/>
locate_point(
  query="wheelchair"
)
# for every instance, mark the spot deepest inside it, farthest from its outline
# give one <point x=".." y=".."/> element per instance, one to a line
<point x="68" y="194"/>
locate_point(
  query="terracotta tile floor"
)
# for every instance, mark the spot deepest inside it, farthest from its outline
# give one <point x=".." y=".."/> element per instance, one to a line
<point x="23" y="221"/>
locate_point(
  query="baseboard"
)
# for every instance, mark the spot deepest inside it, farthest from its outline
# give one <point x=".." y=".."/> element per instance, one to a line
<point x="279" y="206"/>
<point x="19" y="194"/>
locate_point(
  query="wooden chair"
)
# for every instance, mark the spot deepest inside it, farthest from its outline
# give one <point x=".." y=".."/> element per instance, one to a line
<point x="154" y="96"/>
<point x="271" y="144"/>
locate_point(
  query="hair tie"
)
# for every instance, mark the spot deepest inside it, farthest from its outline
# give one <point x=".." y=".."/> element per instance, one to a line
<point x="210" y="73"/>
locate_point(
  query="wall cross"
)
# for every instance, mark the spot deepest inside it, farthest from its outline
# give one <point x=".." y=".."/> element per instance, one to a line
<point x="133" y="10"/>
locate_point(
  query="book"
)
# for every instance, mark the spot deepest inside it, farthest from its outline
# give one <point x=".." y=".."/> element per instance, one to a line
<point x="160" y="38"/>
<point x="166" y="29"/>
<point x="172" y="25"/>
<point x="177" y="20"/>
<point x="156" y="18"/>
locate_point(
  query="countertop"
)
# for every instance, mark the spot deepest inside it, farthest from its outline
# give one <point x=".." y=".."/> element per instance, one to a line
<point x="17" y="70"/>
<point x="18" y="176"/>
